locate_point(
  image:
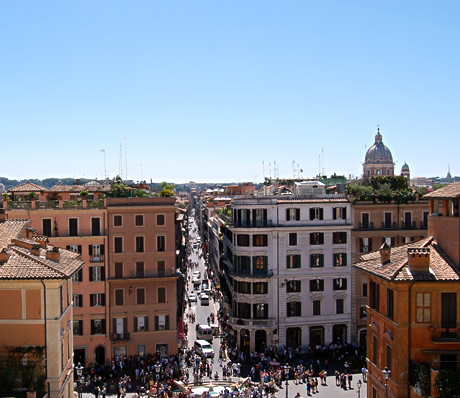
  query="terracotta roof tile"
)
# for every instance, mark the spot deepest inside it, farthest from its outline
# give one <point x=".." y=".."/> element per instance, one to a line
<point x="313" y="200"/>
<point x="11" y="229"/>
<point x="451" y="191"/>
<point x="441" y="267"/>
<point x="28" y="187"/>
<point x="79" y="188"/>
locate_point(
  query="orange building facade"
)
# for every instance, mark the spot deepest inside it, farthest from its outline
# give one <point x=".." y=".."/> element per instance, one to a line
<point x="412" y="305"/>
<point x="104" y="326"/>
<point x="36" y="323"/>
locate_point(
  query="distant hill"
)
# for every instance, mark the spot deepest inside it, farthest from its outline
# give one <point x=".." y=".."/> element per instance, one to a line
<point x="47" y="182"/>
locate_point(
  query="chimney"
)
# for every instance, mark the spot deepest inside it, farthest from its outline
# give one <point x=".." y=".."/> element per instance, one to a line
<point x="2" y="215"/>
<point x="4" y="256"/>
<point x="41" y="240"/>
<point x="419" y="258"/>
<point x="30" y="232"/>
<point x="53" y="254"/>
<point x="35" y="250"/>
<point x="385" y="252"/>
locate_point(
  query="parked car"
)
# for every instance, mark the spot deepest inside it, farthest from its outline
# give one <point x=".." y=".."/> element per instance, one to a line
<point x="192" y="297"/>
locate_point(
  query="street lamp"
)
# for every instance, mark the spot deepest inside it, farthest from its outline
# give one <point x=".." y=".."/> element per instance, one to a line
<point x="386" y="375"/>
<point x="79" y="370"/>
<point x="286" y="373"/>
<point x="360" y="383"/>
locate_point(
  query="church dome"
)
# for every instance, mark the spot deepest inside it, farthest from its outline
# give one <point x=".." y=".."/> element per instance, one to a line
<point x="405" y="166"/>
<point x="378" y="153"/>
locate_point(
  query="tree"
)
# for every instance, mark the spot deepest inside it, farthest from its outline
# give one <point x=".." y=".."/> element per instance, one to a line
<point x="119" y="189"/>
<point x="448" y="383"/>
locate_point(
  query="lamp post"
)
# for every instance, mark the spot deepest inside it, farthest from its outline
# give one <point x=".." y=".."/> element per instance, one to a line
<point x="79" y="370"/>
<point x="286" y="373"/>
<point x="359" y="388"/>
<point x="386" y="375"/>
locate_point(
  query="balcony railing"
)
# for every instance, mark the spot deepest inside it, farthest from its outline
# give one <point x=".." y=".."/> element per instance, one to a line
<point x="252" y="223"/>
<point x="369" y="225"/>
<point x="446" y="335"/>
<point x="97" y="259"/>
<point x="260" y="323"/>
<point x="54" y="204"/>
<point x="148" y="274"/>
<point x="120" y="336"/>
<point x="247" y="274"/>
<point x="389" y="225"/>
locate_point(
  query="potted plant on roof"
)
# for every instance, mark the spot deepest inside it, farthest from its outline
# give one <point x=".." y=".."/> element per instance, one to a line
<point x="32" y="196"/>
<point x="5" y="200"/>
<point x="84" y="195"/>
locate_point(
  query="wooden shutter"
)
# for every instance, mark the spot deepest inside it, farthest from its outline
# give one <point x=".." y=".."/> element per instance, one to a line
<point x="146" y="323"/>
<point x="312" y="214"/>
<point x="167" y="322"/>
<point x="103" y="299"/>
<point x="114" y="325"/>
<point x="125" y="325"/>
<point x="370" y="244"/>
<point x="103" y="325"/>
<point x="102" y="250"/>
<point x="90" y="250"/>
<point x="102" y="273"/>
<point x="321" y="260"/>
<point x="344" y="259"/>
<point x="90" y="274"/>
<point x="287" y="214"/>
<point x="449" y="310"/>
<point x="92" y="326"/>
<point x="135" y="323"/>
<point x="79" y="249"/>
<point x="321" y="213"/>
<point x="334" y="213"/>
<point x="297" y="214"/>
<point x="344" y="213"/>
<point x="361" y="244"/>
<point x="156" y="322"/>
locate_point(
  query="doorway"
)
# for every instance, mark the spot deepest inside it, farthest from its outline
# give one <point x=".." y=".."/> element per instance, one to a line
<point x="260" y="340"/>
<point x="100" y="355"/>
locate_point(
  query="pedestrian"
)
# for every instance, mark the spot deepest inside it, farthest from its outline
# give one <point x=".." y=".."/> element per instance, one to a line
<point x="364" y="373"/>
<point x="337" y="378"/>
<point x="308" y="388"/>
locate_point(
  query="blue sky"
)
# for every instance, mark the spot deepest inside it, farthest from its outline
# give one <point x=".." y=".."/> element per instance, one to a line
<point x="208" y="90"/>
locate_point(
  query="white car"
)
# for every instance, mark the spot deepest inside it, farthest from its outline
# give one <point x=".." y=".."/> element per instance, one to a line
<point x="192" y="297"/>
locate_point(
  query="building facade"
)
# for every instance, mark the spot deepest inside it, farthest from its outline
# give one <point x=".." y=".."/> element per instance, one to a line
<point x="285" y="270"/>
<point x="378" y="160"/>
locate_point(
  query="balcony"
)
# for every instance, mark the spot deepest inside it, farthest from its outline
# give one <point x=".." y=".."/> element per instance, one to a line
<point x="366" y="226"/>
<point x="147" y="275"/>
<point x="409" y="225"/>
<point x="389" y="225"/>
<point x="252" y="223"/>
<point x="247" y="274"/>
<point x="97" y="259"/>
<point x="252" y="323"/>
<point x="445" y="335"/>
<point x="120" y="337"/>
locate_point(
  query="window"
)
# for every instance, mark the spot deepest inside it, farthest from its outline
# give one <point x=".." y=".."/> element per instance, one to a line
<point x="340" y="284"/>
<point x="260" y="311"/>
<point x="260" y="264"/>
<point x="95" y="226"/>
<point x="390" y="241"/>
<point x="374" y="296"/>
<point x="242" y="240"/>
<point x="375" y="351"/>
<point x="364" y="287"/>
<point x="242" y="287"/>
<point x="339" y="237"/>
<point x="120" y="327"/>
<point x="316" y="213"/>
<point x="139" y="220"/>
<point x="139" y="244"/>
<point x="449" y="312"/>
<point x="74" y="248"/>
<point x="316" y="285"/>
<point x="363" y="312"/>
<point x="364" y="220"/>
<point x="292" y="214"/>
<point x="388" y="220"/>
<point x="162" y="322"/>
<point x="96" y="253"/>
<point x="118" y="241"/>
<point x="316" y="238"/>
<point x="161" y="243"/>
<point x="316" y="260"/>
<point x="73" y="226"/>
<point x="78" y="328"/>
<point x="294" y="308"/>
<point x="161" y="219"/>
<point x="141" y="323"/>
<point x="388" y="357"/>
<point x="78" y="300"/>
<point x="243" y="310"/>
<point x="119" y="297"/>
<point x="96" y="274"/>
<point x="316" y="307"/>
<point x="390" y="305"/>
<point x="258" y="288"/>
<point x="259" y="217"/>
<point x="46" y="224"/>
<point x="118" y="270"/>
<point x="339" y="306"/>
<point x="339" y="213"/>
<point x="161" y="294"/>
<point x="293" y="239"/>
<point x="161" y="267"/>
<point x="97" y="299"/>
<point x="260" y="240"/>
<point x="293" y="286"/>
<point x="140" y="296"/>
<point x="365" y="245"/>
<point x="423" y="303"/>
<point x="78" y="276"/>
<point x="97" y="326"/>
<point x="139" y="269"/>
<point x="340" y="259"/>
<point x="117" y="221"/>
<point x="293" y="261"/>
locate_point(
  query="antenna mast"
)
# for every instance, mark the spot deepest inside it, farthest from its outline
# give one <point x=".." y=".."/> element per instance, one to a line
<point x="126" y="160"/>
<point x="105" y="170"/>
<point x="120" y="165"/>
<point x="322" y="160"/>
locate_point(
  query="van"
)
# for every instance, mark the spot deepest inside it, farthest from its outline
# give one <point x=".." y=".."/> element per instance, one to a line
<point x="204" y="332"/>
<point x="203" y="348"/>
<point x="196" y="283"/>
<point x="204" y="299"/>
<point x="197" y="274"/>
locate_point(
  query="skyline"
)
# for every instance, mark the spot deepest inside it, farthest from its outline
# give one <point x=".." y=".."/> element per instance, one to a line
<point x="208" y="91"/>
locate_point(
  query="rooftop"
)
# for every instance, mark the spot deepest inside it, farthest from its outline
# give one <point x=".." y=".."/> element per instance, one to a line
<point x="451" y="191"/>
<point x="441" y="268"/>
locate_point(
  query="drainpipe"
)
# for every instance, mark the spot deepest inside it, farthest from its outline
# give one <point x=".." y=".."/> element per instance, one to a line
<point x="408" y="332"/>
<point x="46" y="336"/>
<point x="278" y="269"/>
